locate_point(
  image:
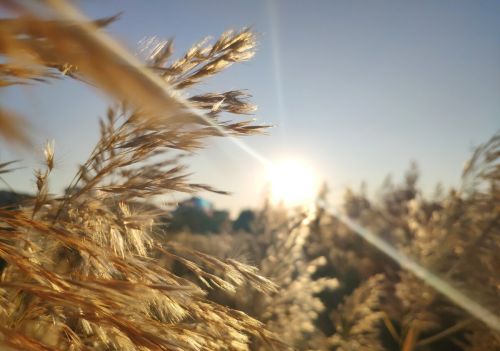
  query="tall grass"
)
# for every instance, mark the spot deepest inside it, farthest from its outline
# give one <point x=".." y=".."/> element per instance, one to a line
<point x="337" y="292"/>
<point x="80" y="270"/>
<point x="93" y="269"/>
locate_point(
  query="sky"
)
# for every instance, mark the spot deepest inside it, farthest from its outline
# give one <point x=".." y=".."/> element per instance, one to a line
<point x="355" y="89"/>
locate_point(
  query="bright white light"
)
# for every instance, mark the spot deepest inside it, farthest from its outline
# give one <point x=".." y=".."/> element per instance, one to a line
<point x="292" y="183"/>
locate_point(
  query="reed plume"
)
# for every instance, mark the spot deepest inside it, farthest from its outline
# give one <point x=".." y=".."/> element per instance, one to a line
<point x="80" y="270"/>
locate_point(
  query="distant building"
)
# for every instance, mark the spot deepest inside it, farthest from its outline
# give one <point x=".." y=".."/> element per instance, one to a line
<point x="198" y="216"/>
<point x="11" y="199"/>
<point x="199" y="203"/>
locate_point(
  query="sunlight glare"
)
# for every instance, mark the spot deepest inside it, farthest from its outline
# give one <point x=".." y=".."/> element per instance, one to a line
<point x="292" y="183"/>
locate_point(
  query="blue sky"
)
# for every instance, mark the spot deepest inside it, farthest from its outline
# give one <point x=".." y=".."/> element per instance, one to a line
<point x="357" y="89"/>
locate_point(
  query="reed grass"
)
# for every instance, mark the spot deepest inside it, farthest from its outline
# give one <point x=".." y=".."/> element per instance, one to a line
<point x="80" y="272"/>
<point x="96" y="269"/>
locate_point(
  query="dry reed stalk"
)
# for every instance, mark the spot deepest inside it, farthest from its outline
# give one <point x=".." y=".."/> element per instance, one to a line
<point x="80" y="273"/>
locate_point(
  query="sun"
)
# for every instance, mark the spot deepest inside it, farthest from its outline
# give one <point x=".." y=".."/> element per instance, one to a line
<point x="292" y="182"/>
